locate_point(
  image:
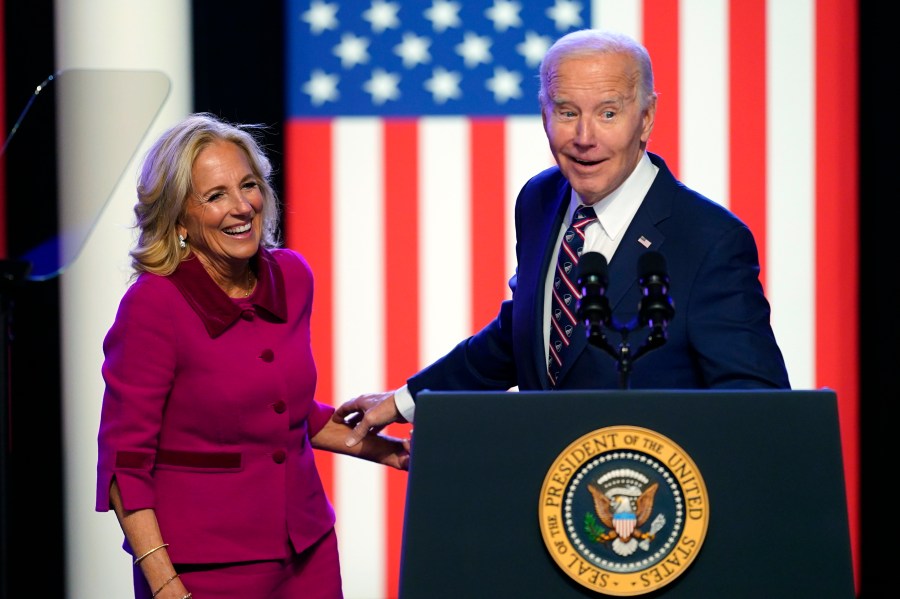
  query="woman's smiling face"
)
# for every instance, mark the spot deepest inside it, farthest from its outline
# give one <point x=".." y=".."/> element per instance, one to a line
<point x="222" y="218"/>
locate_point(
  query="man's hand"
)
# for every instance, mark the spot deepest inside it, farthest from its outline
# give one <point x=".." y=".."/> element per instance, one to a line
<point x="367" y="413"/>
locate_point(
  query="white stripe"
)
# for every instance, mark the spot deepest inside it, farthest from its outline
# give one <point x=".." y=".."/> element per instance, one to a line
<point x="444" y="247"/>
<point x="703" y="97"/>
<point x="791" y="185"/>
<point x="527" y="153"/>
<point x="357" y="246"/>
<point x="108" y="35"/>
<point x="624" y="16"/>
<point x="358" y="250"/>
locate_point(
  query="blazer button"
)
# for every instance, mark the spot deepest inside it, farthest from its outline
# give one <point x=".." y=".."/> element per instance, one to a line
<point x="267" y="355"/>
<point x="279" y="407"/>
<point x="247" y="315"/>
<point x="278" y="456"/>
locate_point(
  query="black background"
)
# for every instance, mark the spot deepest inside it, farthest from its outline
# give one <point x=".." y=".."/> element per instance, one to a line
<point x="242" y="79"/>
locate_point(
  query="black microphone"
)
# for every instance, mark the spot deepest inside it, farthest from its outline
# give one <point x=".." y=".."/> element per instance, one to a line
<point x="593" y="307"/>
<point x="656" y="307"/>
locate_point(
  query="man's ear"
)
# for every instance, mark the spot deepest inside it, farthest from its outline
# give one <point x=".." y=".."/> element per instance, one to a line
<point x="649" y="118"/>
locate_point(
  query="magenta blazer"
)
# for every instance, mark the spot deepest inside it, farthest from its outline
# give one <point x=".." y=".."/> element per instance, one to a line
<point x="208" y="410"/>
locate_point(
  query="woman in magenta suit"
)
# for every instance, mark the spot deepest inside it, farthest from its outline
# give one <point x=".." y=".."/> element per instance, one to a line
<point x="209" y="416"/>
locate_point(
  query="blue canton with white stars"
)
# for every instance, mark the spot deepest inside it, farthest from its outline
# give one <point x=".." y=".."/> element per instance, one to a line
<point x="421" y="57"/>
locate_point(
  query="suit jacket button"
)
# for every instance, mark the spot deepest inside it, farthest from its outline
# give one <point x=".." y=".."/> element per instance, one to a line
<point x="278" y="456"/>
<point x="267" y="355"/>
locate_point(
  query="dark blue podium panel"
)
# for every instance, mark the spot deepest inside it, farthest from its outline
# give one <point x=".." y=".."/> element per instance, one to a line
<point x="771" y="462"/>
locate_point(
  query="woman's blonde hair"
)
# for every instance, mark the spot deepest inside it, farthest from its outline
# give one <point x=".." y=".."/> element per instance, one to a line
<point x="164" y="183"/>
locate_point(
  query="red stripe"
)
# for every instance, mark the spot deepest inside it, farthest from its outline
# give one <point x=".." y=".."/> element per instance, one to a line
<point x="562" y="337"/>
<point x="307" y="229"/>
<point x="568" y="282"/>
<point x="487" y="165"/>
<point x="747" y="93"/>
<point x="568" y="249"/>
<point x="401" y="259"/>
<point x="3" y="240"/>
<point x="837" y="237"/>
<point x="661" y="40"/>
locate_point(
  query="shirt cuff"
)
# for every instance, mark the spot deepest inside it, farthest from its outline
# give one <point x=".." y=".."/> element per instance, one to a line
<point x="405" y="403"/>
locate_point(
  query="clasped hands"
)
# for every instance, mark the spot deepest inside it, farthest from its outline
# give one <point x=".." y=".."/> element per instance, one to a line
<point x="368" y="414"/>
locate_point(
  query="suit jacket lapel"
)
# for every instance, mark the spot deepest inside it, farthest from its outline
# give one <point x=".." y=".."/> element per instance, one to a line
<point x="641" y="235"/>
<point x="552" y="215"/>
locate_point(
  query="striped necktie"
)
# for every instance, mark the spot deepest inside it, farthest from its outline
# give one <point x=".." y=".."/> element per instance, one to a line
<point x="565" y="293"/>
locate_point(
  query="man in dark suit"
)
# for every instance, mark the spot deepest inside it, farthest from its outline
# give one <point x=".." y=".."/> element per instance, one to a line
<point x="598" y="106"/>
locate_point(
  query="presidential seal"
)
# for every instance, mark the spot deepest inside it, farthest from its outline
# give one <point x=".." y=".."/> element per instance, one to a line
<point x="623" y="510"/>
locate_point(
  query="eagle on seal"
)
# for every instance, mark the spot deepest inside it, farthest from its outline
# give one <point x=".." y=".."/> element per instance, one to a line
<point x="624" y="510"/>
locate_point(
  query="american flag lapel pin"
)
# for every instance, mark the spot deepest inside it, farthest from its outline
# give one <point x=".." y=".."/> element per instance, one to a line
<point x="644" y="241"/>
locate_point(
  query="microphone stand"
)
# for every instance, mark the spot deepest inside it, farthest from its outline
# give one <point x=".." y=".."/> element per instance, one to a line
<point x="623" y="354"/>
<point x="655" y="308"/>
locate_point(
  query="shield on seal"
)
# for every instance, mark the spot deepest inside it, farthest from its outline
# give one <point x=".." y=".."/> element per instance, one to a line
<point x="624" y="524"/>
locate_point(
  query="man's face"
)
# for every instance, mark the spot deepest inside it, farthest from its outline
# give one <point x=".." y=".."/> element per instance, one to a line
<point x="594" y="123"/>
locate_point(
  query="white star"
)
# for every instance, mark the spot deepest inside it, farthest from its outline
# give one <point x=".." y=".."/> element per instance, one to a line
<point x="321" y="87"/>
<point x="413" y="50"/>
<point x="504" y="14"/>
<point x="443" y="85"/>
<point x="474" y="49"/>
<point x="504" y="84"/>
<point x="566" y="14"/>
<point x="443" y="15"/>
<point x="533" y="48"/>
<point x="383" y="86"/>
<point x="382" y="15"/>
<point x="321" y="16"/>
<point x="352" y="50"/>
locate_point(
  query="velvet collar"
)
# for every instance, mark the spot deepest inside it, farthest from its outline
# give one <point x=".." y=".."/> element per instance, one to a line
<point x="215" y="308"/>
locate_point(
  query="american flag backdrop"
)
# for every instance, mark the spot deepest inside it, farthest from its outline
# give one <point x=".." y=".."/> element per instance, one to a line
<point x="412" y="124"/>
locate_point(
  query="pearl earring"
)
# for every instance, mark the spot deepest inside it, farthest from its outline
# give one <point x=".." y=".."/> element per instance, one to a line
<point x="182" y="242"/>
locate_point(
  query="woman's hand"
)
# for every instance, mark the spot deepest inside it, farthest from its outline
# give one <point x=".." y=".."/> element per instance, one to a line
<point x="371" y="445"/>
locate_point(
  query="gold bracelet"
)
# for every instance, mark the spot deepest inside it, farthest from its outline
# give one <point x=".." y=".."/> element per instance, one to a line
<point x="163" y="586"/>
<point x="140" y="559"/>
